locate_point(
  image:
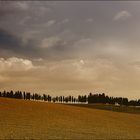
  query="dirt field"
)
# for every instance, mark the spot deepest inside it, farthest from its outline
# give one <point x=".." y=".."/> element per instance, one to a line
<point x="21" y="119"/>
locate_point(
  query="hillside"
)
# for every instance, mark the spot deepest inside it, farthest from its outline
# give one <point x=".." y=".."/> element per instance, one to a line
<point x="111" y="107"/>
<point x="40" y="120"/>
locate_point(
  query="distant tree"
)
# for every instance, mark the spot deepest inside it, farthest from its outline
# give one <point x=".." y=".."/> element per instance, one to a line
<point x="18" y="95"/>
<point x="39" y="97"/>
<point x="49" y="98"/>
<point x="132" y="103"/>
<point x="107" y="99"/>
<point x="66" y="99"/>
<point x="139" y="102"/>
<point x="79" y="98"/>
<point x="33" y="97"/>
<point x="4" y="93"/>
<point x="69" y="98"/>
<point x="91" y="98"/>
<point x="54" y="99"/>
<point x="125" y="101"/>
<point x="75" y="99"/>
<point x="60" y="99"/>
<point x="28" y="95"/>
<point x="45" y="97"/>
<point x="63" y="99"/>
<point x="102" y="98"/>
<point x="72" y="99"/>
<point x="11" y="94"/>
<point x="36" y="96"/>
<point x="112" y="100"/>
<point x="24" y="95"/>
<point x="8" y="94"/>
<point x="82" y="98"/>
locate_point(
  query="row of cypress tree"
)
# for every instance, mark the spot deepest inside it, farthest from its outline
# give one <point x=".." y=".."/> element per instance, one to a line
<point x="90" y="99"/>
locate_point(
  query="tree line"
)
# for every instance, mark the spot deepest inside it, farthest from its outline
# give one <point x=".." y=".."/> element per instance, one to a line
<point x="90" y="99"/>
<point x="102" y="98"/>
<point x="35" y="96"/>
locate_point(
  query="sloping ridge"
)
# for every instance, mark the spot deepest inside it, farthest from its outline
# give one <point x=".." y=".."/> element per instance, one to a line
<point x="41" y="120"/>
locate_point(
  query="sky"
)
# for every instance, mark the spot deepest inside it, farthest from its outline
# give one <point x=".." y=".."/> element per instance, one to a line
<point x="70" y="47"/>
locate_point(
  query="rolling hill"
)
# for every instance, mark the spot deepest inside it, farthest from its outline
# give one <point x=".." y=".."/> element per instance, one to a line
<point x="20" y="119"/>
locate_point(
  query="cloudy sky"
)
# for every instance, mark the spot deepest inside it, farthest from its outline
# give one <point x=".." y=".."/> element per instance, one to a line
<point x="64" y="48"/>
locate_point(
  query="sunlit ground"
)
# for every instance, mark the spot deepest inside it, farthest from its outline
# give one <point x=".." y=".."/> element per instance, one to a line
<point x="38" y="120"/>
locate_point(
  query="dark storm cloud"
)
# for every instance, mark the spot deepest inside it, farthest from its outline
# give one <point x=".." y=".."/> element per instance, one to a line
<point x="11" y="42"/>
<point x="15" y="45"/>
<point x="8" y="41"/>
<point x="31" y="22"/>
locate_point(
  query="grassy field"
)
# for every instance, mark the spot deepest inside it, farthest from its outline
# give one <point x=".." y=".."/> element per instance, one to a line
<point x="21" y="119"/>
<point x="123" y="108"/>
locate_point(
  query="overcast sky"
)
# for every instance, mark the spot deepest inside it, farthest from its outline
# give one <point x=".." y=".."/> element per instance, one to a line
<point x="63" y="48"/>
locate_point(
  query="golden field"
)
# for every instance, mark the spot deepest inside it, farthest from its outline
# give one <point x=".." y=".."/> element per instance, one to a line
<point x="21" y="119"/>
